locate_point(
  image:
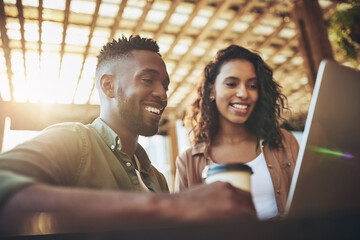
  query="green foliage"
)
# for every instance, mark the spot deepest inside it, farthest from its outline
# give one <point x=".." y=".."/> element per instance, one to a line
<point x="341" y="22"/>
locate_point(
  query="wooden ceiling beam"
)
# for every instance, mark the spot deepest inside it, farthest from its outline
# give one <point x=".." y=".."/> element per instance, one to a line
<point x="142" y="18"/>
<point x="283" y="66"/>
<point x="222" y="35"/>
<point x="252" y="25"/>
<point x="40" y="13"/>
<point x="86" y="53"/>
<point x="198" y="6"/>
<point x="20" y="9"/>
<point x="65" y="26"/>
<point x="25" y="116"/>
<point x="289" y="42"/>
<point x="203" y="33"/>
<point x="166" y="20"/>
<point x="268" y="39"/>
<point x="6" y="48"/>
<point x="314" y="43"/>
<point x="117" y="20"/>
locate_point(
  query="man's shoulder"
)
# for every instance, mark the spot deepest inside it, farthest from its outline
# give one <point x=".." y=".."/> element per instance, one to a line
<point x="67" y="127"/>
<point x="65" y="130"/>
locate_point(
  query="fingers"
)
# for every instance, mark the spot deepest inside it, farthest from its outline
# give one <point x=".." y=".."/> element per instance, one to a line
<point x="219" y="201"/>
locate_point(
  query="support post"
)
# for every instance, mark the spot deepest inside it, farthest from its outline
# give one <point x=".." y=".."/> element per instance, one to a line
<point x="2" y="125"/>
<point x="314" y="42"/>
<point x="174" y="149"/>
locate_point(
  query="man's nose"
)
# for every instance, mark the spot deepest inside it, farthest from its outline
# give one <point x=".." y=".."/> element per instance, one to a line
<point x="160" y="92"/>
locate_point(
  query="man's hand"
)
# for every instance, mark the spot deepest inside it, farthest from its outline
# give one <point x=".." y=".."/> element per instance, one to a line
<point x="216" y="202"/>
<point x="42" y="209"/>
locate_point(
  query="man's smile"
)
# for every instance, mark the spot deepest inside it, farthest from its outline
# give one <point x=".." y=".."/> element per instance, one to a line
<point x="155" y="110"/>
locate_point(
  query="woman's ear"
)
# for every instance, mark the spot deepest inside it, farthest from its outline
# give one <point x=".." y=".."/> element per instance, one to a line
<point x="107" y="85"/>
<point x="212" y="92"/>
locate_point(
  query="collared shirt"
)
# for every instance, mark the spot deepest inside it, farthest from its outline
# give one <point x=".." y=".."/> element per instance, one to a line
<point x="280" y="163"/>
<point x="76" y="155"/>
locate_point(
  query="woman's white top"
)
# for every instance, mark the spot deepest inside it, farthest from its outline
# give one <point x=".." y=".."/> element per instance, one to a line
<point x="262" y="189"/>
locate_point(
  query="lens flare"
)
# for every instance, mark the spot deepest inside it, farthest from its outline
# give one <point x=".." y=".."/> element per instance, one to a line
<point x="331" y="152"/>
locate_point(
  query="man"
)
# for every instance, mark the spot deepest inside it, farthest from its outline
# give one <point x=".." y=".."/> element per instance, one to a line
<point x="96" y="177"/>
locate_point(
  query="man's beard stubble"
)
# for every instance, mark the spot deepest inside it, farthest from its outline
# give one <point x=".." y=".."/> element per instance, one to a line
<point x="132" y="119"/>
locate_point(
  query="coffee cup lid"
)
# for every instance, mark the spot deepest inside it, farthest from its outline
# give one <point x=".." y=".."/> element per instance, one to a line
<point x="213" y="169"/>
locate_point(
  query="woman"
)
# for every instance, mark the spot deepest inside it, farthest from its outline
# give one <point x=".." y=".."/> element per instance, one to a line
<point x="235" y="119"/>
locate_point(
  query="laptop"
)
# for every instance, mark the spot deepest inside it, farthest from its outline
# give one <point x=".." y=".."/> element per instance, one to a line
<point x="327" y="173"/>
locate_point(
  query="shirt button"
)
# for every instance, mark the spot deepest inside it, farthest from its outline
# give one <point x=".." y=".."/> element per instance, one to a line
<point x="128" y="164"/>
<point x="269" y="165"/>
<point x="112" y="147"/>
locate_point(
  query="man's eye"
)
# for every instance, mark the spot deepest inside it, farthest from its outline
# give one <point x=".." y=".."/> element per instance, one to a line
<point x="147" y="80"/>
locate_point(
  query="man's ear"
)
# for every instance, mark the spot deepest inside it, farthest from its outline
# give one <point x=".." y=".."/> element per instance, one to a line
<point x="107" y="85"/>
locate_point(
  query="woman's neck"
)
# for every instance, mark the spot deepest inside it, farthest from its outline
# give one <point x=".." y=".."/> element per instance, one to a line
<point x="233" y="134"/>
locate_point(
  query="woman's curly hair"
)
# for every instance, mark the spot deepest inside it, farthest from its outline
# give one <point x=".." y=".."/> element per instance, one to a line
<point x="264" y="120"/>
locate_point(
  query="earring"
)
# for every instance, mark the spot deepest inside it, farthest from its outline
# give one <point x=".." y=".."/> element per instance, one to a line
<point x="212" y="98"/>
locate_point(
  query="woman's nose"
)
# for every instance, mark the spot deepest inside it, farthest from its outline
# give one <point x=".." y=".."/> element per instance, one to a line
<point x="242" y="91"/>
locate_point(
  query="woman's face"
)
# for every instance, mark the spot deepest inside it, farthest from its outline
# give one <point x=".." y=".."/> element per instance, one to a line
<point x="236" y="91"/>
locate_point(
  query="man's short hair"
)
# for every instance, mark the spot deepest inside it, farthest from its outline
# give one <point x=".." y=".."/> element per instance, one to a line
<point x="122" y="47"/>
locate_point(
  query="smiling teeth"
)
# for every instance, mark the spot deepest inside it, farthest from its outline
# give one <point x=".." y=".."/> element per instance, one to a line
<point x="239" y="106"/>
<point x="153" y="110"/>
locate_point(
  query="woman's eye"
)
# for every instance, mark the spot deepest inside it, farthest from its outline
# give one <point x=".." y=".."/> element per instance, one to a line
<point x="253" y="86"/>
<point x="230" y="84"/>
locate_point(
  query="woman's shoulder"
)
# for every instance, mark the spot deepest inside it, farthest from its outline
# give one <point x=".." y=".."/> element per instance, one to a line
<point x="287" y="135"/>
<point x="192" y="151"/>
<point x="289" y="142"/>
<point x="197" y="148"/>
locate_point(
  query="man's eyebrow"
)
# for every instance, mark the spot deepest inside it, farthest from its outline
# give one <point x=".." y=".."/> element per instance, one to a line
<point x="149" y="70"/>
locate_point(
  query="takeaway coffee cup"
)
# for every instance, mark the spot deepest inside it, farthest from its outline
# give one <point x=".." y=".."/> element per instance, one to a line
<point x="238" y="174"/>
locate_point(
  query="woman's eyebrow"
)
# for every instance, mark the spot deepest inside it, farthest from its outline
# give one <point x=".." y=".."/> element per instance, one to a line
<point x="238" y="79"/>
<point x="253" y="79"/>
<point x="232" y="78"/>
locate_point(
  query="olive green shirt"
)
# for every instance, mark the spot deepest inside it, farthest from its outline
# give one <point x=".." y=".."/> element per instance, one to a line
<point x="76" y="155"/>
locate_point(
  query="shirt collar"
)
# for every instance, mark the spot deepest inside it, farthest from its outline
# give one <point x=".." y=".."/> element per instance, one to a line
<point x="113" y="141"/>
<point x="200" y="148"/>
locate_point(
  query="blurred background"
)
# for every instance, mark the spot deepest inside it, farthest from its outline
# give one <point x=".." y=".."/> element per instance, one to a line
<point x="48" y="52"/>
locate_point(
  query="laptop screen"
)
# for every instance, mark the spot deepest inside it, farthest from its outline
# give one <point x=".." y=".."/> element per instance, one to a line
<point x="327" y="173"/>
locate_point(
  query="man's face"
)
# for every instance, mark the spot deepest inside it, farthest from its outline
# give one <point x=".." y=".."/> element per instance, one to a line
<point x="141" y="85"/>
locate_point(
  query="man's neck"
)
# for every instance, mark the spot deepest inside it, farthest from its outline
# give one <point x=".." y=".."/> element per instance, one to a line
<point x="128" y="143"/>
<point x="128" y="139"/>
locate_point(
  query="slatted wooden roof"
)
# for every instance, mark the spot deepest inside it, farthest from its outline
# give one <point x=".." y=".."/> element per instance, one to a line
<point x="48" y="48"/>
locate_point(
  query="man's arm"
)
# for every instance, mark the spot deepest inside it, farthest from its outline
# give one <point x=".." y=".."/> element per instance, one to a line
<point x="41" y="209"/>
